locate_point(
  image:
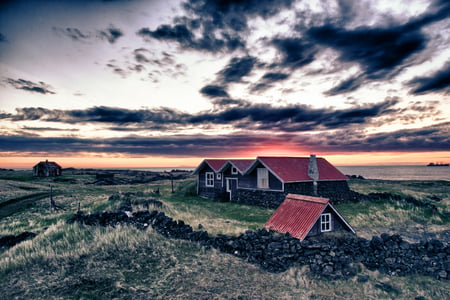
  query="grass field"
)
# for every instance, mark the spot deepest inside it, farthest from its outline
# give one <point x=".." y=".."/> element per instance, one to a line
<point x="81" y="262"/>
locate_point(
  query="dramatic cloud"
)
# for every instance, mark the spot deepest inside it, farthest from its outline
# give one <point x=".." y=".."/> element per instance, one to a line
<point x="238" y="114"/>
<point x="111" y="34"/>
<point x="237" y="68"/>
<point x="378" y="50"/>
<point x="213" y="91"/>
<point x="233" y="14"/>
<point x="219" y="24"/>
<point x="26" y="85"/>
<point x="182" y="35"/>
<point x="296" y="52"/>
<point x="268" y="79"/>
<point x="381" y="52"/>
<point x="434" y="138"/>
<point x="439" y="81"/>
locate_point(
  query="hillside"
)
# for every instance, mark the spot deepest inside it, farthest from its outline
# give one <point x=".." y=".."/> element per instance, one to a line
<point x="80" y="261"/>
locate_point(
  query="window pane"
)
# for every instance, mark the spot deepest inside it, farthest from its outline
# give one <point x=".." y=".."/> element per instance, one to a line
<point x="263" y="178"/>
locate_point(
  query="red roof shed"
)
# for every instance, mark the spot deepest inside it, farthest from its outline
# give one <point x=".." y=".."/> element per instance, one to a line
<point x="300" y="214"/>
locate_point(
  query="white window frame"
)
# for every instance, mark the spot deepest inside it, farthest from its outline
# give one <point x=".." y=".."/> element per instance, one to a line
<point x="262" y="178"/>
<point x="234" y="170"/>
<point x="219" y="176"/>
<point x="209" y="179"/>
<point x="325" y="222"/>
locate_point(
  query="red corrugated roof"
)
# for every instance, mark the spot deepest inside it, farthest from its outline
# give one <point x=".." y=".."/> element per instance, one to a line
<point x="297" y="215"/>
<point x="291" y="169"/>
<point x="241" y="164"/>
<point x="216" y="164"/>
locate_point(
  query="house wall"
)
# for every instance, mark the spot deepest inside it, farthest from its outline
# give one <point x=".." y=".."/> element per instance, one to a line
<point x="215" y="192"/>
<point x="336" y="224"/>
<point x="250" y="181"/>
<point x="334" y="190"/>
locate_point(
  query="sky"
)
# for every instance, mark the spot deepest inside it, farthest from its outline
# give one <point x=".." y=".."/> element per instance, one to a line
<point x="134" y="83"/>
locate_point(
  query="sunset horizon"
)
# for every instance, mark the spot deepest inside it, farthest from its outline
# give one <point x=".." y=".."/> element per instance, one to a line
<point x="358" y="159"/>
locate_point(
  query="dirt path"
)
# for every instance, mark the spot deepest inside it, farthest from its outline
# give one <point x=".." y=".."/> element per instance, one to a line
<point x="20" y="203"/>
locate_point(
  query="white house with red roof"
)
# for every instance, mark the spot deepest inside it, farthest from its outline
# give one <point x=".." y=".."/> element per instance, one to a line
<point x="265" y="181"/>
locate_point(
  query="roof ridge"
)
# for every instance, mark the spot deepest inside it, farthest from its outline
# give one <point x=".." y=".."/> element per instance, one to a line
<point x="308" y="198"/>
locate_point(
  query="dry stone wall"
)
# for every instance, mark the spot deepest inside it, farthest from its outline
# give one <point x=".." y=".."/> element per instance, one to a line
<point x="330" y="257"/>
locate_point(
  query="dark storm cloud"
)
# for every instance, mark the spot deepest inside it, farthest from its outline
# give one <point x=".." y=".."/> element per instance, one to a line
<point x="294" y="117"/>
<point x="218" y="24"/>
<point x="348" y="85"/>
<point x="26" y="85"/>
<point x="182" y="34"/>
<point x="267" y="80"/>
<point x="2" y="38"/>
<point x="237" y="68"/>
<point x="233" y="14"/>
<point x="434" y="138"/>
<point x="238" y="113"/>
<point x="296" y="52"/>
<point x="111" y="34"/>
<point x="173" y="145"/>
<point x="439" y="81"/>
<point x="275" y="76"/>
<point x="379" y="51"/>
<point x="214" y="91"/>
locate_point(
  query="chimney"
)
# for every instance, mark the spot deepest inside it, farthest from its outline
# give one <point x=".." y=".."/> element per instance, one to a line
<point x="313" y="171"/>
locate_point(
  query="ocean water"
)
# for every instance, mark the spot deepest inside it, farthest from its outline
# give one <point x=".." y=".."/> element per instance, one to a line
<point x="398" y="172"/>
<point x="374" y="172"/>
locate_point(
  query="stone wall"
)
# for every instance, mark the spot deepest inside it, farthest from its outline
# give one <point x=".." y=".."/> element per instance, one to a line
<point x="336" y="191"/>
<point x="328" y="256"/>
<point x="264" y="198"/>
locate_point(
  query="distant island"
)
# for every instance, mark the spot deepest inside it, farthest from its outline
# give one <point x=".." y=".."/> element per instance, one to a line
<point x="438" y="165"/>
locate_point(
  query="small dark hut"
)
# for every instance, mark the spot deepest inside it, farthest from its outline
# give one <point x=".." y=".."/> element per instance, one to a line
<point x="47" y="169"/>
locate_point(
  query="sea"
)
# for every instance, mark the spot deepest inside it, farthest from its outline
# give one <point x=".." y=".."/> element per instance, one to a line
<point x="398" y="172"/>
<point x="369" y="172"/>
<point x="374" y="172"/>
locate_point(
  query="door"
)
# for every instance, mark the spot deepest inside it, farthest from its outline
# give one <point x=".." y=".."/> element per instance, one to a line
<point x="232" y="188"/>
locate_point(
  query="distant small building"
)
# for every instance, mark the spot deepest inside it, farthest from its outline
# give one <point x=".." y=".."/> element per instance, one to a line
<point x="303" y="216"/>
<point x="47" y="169"/>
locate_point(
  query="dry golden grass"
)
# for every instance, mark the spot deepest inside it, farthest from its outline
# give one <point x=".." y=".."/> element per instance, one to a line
<point x="82" y="262"/>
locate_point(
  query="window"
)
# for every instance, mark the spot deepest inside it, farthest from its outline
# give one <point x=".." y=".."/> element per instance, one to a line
<point x="219" y="176"/>
<point x="234" y="171"/>
<point x="209" y="176"/>
<point x="263" y="178"/>
<point x="325" y="222"/>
